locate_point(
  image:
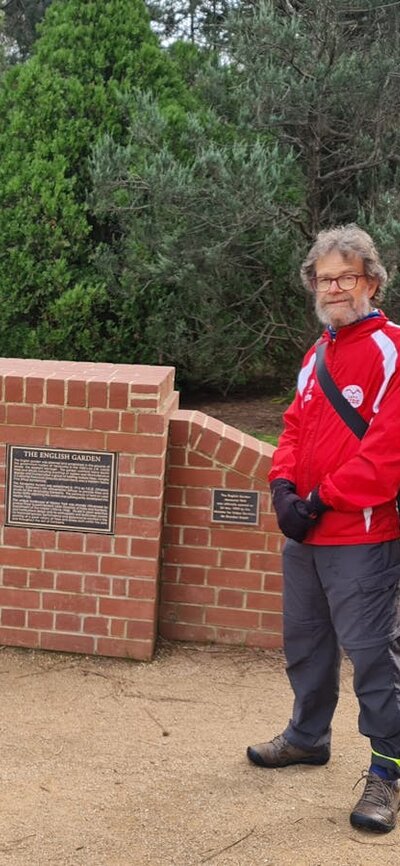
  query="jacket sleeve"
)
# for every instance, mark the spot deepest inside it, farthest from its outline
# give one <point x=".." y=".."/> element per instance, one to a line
<point x="372" y="476"/>
<point x="284" y="460"/>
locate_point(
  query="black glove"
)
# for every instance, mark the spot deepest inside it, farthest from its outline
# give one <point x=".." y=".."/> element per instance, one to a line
<point x="295" y="515"/>
<point x="317" y="506"/>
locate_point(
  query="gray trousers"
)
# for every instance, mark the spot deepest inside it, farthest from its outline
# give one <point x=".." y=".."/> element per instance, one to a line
<point x="343" y="596"/>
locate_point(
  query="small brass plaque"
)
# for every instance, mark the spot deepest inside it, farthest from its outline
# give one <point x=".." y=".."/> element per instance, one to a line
<point x="235" y="506"/>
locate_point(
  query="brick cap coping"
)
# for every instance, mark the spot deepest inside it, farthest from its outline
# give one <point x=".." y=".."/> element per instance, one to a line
<point x="134" y="374"/>
<point x="207" y="435"/>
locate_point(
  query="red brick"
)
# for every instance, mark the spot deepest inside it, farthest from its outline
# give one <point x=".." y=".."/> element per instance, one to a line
<point x="192" y="574"/>
<point x="70" y="643"/>
<point x="171" y="535"/>
<point x="118" y="586"/>
<point x="105" y="420"/>
<point x="98" y="543"/>
<point x="70" y="541"/>
<point x="76" y="393"/>
<point x="15" y="536"/>
<point x="71" y="603"/>
<point x="192" y="477"/>
<point x="140" y="630"/>
<point x="43" y="538"/>
<point x="77" y="418"/>
<point x="124" y="504"/>
<point x="126" y="464"/>
<point x="149" y="466"/>
<point x="227" y="451"/>
<point x="153" y="424"/>
<point x="188" y="594"/>
<point x="193" y="613"/>
<point x="15" y="577"/>
<point x="25" y="436"/>
<point x="14" y="389"/>
<point x="263" y="640"/>
<point x="188" y="516"/>
<point x="48" y="416"/>
<point x="27" y="558"/>
<point x="138" y="527"/>
<point x="179" y="429"/>
<point x="2" y="413"/>
<point x="174" y="495"/>
<point x="128" y="422"/>
<point x="76" y="562"/>
<point x="119" y="395"/>
<point x="55" y="391"/>
<point x="272" y="583"/>
<point x="195" y="459"/>
<point x="233" y="558"/>
<point x="264" y="601"/>
<point x="185" y="632"/>
<point x="128" y="566"/>
<point x="135" y="444"/>
<point x="94" y="583"/>
<point x="268" y="523"/>
<point x="145" y="547"/>
<point x="19" y="414"/>
<point x="94" y="440"/>
<point x="121" y="546"/>
<point x="16" y="637"/>
<point x="135" y="486"/>
<point x="209" y="441"/>
<point x="67" y="622"/>
<point x="237" y="579"/>
<point x="170" y="573"/>
<point x="34" y="390"/>
<point x="275" y="543"/>
<point x="19" y="598"/>
<point x="230" y="636"/>
<point x="230" y="598"/>
<point x="13" y="617"/>
<point x="196" y="536"/>
<point x="144" y="506"/>
<point x="140" y="650"/>
<point x="193" y="555"/>
<point x="98" y="394"/>
<point x="198" y="497"/>
<point x="233" y="537"/>
<point x="236" y="480"/>
<point x="247" y="460"/>
<point x="41" y="580"/>
<point x="69" y="582"/>
<point x="225" y="616"/>
<point x="96" y="625"/>
<point x="177" y="457"/>
<point x="40" y="619"/>
<point x="266" y="562"/>
<point x="272" y="621"/>
<point x="142" y="589"/>
<point x="118" y="628"/>
<point x="127" y="608"/>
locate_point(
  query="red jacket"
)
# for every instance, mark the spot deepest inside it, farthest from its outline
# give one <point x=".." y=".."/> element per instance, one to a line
<point x="358" y="478"/>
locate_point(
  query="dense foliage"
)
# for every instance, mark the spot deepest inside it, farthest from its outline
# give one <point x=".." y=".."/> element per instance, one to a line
<point x="159" y="184"/>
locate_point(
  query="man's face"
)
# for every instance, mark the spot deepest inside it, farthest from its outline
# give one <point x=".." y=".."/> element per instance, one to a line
<point x="341" y="306"/>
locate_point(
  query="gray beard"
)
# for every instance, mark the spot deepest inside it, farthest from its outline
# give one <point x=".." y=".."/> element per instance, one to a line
<point x="351" y="314"/>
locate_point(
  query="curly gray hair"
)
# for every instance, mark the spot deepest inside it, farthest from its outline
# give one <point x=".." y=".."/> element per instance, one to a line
<point x="349" y="241"/>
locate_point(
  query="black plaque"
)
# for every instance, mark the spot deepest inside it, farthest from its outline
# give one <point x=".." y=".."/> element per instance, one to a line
<point x="235" y="506"/>
<point x="53" y="488"/>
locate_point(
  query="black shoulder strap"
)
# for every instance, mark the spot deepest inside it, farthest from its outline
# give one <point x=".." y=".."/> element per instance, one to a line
<point x="350" y="416"/>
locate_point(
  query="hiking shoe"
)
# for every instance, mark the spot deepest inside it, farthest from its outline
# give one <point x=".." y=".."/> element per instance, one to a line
<point x="377" y="808"/>
<point x="280" y="753"/>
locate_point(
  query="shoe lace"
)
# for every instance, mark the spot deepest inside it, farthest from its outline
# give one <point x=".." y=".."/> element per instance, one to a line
<point x="378" y="792"/>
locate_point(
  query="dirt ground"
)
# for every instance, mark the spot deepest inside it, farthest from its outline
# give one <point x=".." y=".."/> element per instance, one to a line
<point x="251" y="414"/>
<point x="117" y="763"/>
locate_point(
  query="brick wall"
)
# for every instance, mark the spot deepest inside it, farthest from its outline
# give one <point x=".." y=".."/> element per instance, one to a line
<point x="82" y="591"/>
<point x="219" y="582"/>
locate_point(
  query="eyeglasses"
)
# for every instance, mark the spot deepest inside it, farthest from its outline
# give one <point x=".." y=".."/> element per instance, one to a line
<point x="345" y="282"/>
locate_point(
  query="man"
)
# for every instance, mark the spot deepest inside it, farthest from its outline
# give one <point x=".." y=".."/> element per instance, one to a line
<point x="335" y="499"/>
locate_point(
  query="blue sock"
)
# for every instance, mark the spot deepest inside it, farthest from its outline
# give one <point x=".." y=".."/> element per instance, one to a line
<point x="383" y="772"/>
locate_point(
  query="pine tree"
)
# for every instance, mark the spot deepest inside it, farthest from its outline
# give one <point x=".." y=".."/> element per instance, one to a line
<point x="76" y="86"/>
